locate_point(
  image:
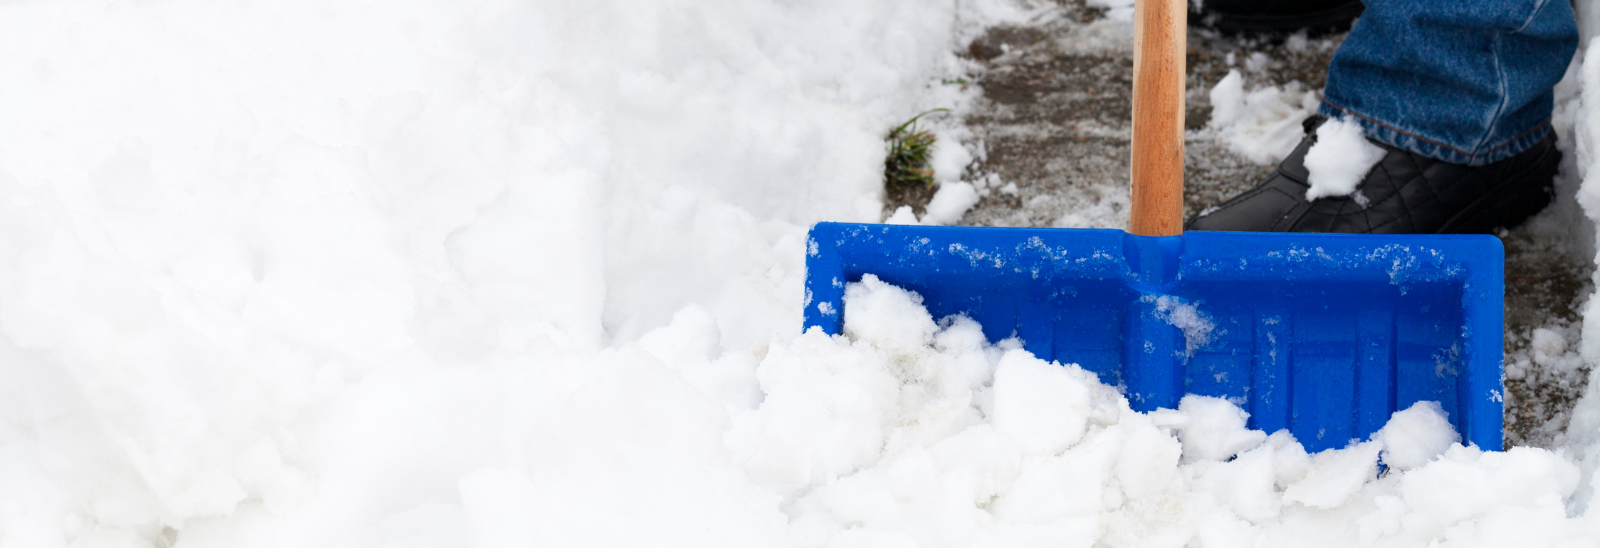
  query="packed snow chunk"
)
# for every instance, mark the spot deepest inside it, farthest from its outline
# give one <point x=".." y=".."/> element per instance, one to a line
<point x="960" y="333"/>
<point x="1148" y="464"/>
<point x="841" y="407"/>
<point x="886" y="316"/>
<point x="962" y="339"/>
<point x="1553" y="356"/>
<point x="822" y="417"/>
<point x="1289" y="458"/>
<point x="1061" y="486"/>
<point x="1340" y="159"/>
<point x="902" y="215"/>
<point x="1262" y="125"/>
<point x="949" y="159"/>
<point x="1227" y="100"/>
<point x="1548" y="344"/>
<point x="1216" y="429"/>
<point x="1416" y="435"/>
<point x="898" y="499"/>
<point x="978" y="462"/>
<point x="1336" y="475"/>
<point x="691" y="344"/>
<point x="1467" y="483"/>
<point x="1073" y="531"/>
<point x="1041" y="406"/>
<point x="950" y="203"/>
<point x="1247" y="485"/>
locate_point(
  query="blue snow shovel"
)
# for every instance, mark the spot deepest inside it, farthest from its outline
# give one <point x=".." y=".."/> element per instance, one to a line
<point x="1323" y="334"/>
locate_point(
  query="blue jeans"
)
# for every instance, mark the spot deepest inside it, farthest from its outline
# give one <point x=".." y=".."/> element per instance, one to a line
<point x="1464" y="81"/>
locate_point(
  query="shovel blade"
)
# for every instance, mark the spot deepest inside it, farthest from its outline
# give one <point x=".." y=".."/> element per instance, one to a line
<point x="1323" y="334"/>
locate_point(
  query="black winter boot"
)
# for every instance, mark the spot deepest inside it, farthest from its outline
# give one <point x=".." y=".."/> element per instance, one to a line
<point x="1403" y="194"/>
<point x="1274" y="16"/>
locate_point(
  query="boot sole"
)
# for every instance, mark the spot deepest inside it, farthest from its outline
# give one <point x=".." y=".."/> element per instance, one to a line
<point x="1511" y="204"/>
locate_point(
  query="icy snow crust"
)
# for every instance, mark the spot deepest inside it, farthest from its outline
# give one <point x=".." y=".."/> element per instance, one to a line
<point x="491" y="273"/>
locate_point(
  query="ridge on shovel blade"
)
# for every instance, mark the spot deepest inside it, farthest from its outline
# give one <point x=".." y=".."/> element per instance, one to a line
<point x="1323" y="334"/>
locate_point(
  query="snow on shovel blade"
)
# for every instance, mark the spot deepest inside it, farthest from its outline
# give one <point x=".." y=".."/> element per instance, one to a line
<point x="1323" y="334"/>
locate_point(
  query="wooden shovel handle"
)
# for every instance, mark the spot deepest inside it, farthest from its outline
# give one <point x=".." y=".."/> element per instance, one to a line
<point x="1159" y="44"/>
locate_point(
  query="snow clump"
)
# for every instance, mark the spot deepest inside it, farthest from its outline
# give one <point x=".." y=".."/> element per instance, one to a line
<point x="1263" y="124"/>
<point x="885" y="316"/>
<point x="902" y="215"/>
<point x="1416" y="435"/>
<point x="1335" y="476"/>
<point x="1215" y="430"/>
<point x="925" y="433"/>
<point x="954" y="197"/>
<point x="1042" y="406"/>
<point x="1187" y="317"/>
<point x="950" y="203"/>
<point x="1339" y="160"/>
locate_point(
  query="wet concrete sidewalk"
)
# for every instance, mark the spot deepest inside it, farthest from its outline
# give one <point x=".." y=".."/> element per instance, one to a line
<point x="1053" y="136"/>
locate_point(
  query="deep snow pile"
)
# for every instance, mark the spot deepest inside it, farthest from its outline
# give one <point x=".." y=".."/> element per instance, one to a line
<point x="507" y="273"/>
<point x="911" y="432"/>
<point x="304" y="273"/>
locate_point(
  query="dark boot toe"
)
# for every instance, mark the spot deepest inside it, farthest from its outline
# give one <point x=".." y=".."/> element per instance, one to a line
<point x="1261" y="209"/>
<point x="1404" y="193"/>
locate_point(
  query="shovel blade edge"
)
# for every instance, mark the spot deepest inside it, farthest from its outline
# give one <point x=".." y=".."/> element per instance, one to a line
<point x="1322" y="334"/>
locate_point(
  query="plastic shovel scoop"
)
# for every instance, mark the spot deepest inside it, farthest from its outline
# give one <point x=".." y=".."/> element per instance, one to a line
<point x="1323" y="334"/>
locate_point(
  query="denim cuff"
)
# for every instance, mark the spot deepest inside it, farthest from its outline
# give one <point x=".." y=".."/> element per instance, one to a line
<point x="1383" y="133"/>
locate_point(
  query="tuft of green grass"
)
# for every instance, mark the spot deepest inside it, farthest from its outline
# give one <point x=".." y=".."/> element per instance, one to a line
<point x="909" y="149"/>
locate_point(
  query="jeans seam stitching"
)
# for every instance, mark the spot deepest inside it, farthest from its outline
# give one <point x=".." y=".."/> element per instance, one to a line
<point x="1500" y="76"/>
<point x="1538" y="6"/>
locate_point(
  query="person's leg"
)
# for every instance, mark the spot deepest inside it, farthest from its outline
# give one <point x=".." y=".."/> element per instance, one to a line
<point x="1464" y="81"/>
<point x="1458" y="94"/>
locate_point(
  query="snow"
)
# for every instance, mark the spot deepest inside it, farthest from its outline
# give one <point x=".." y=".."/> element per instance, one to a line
<point x="528" y="273"/>
<point x="949" y="161"/>
<point x="1041" y="407"/>
<point x="951" y="202"/>
<point x="1515" y="494"/>
<point x="1262" y="124"/>
<point x="1215" y="429"/>
<point x="1245" y="486"/>
<point x="902" y="215"/>
<point x="1335" y="476"/>
<point x="1339" y="160"/>
<point x="310" y="273"/>
<point x="954" y="441"/>
<point x="1416" y="435"/>
<point x="885" y="316"/>
<point x="950" y="158"/>
<point x="1187" y="317"/>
